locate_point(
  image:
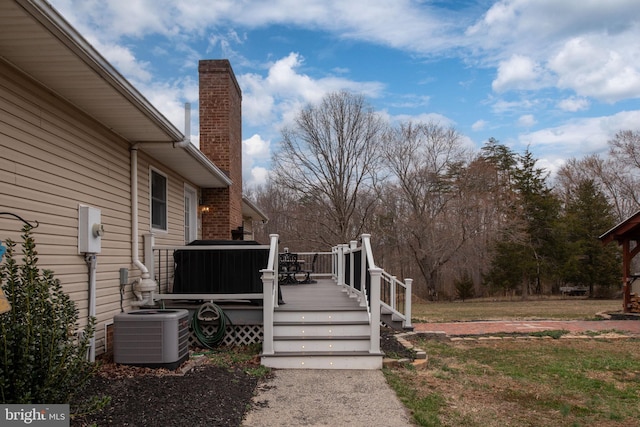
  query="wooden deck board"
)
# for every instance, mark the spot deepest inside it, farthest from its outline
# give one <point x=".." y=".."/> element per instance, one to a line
<point x="322" y="295"/>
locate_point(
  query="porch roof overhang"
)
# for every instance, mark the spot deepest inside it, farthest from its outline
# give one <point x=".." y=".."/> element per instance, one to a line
<point x="629" y="229"/>
<point x="250" y="210"/>
<point x="38" y="41"/>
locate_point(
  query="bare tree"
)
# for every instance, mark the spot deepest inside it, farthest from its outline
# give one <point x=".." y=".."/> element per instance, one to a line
<point x="624" y="149"/>
<point x="329" y="158"/>
<point x="614" y="177"/>
<point x="425" y="159"/>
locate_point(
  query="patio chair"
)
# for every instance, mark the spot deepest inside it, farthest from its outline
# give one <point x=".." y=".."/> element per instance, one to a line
<point x="308" y="273"/>
<point x="288" y="267"/>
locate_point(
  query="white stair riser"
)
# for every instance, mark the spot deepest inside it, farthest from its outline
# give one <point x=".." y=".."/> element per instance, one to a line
<point x="321" y="316"/>
<point x="312" y="345"/>
<point x="323" y="362"/>
<point x="323" y="330"/>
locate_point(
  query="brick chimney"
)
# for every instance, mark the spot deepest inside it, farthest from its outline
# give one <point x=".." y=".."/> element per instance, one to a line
<point x="221" y="142"/>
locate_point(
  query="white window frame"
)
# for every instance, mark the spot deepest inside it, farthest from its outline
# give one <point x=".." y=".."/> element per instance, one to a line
<point x="166" y="200"/>
<point x="190" y="194"/>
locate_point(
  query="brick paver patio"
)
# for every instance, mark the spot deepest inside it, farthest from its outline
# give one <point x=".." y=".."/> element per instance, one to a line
<point x="492" y="327"/>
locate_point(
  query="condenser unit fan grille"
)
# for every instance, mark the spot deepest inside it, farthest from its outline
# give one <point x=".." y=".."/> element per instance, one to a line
<point x="152" y="338"/>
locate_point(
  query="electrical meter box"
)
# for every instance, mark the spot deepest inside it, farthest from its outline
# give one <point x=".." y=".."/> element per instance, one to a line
<point x="90" y="230"/>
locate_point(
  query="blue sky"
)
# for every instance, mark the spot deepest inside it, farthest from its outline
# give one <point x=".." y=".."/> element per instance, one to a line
<point x="558" y="76"/>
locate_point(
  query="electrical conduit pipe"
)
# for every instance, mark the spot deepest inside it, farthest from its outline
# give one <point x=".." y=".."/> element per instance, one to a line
<point x="92" y="262"/>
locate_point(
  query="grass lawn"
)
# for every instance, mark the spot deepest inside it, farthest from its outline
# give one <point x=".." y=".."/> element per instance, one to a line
<point x="521" y="382"/>
<point x="516" y="382"/>
<point x="532" y="309"/>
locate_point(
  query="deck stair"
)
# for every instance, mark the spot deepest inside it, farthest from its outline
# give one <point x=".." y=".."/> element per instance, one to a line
<point x="321" y="327"/>
<point x="394" y="322"/>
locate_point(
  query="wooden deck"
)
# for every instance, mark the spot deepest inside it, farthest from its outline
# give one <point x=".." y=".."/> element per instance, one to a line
<point x="322" y="295"/>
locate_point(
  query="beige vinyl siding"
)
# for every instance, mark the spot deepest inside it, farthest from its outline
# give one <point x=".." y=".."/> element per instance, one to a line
<point x="175" y="200"/>
<point x="53" y="158"/>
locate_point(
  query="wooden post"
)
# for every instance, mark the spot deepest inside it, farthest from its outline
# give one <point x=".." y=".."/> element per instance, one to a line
<point x="626" y="272"/>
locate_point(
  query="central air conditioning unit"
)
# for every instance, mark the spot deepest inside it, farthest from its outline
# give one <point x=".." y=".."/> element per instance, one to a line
<point x="151" y="338"/>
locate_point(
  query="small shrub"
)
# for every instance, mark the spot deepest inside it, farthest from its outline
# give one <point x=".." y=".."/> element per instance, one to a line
<point x="42" y="359"/>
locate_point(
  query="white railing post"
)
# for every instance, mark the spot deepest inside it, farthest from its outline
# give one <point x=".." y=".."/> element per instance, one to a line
<point x="274" y="264"/>
<point x="407" y="303"/>
<point x="353" y="245"/>
<point x="334" y="263"/>
<point x="366" y="246"/>
<point x="374" y="300"/>
<point x="392" y="291"/>
<point x="268" y="303"/>
<point x="269" y="294"/>
<point x="341" y="248"/>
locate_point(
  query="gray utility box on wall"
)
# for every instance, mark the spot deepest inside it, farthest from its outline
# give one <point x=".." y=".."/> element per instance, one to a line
<point x="151" y="338"/>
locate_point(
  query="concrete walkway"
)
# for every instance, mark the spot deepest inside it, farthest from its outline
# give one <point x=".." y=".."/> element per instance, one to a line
<point x="308" y="397"/>
<point x="297" y="397"/>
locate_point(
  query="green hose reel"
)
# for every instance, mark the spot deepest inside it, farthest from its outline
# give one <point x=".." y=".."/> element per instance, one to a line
<point x="207" y="313"/>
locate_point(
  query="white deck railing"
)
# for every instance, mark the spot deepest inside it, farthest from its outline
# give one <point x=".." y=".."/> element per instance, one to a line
<point x="356" y="270"/>
<point x="395" y="295"/>
<point x="351" y="266"/>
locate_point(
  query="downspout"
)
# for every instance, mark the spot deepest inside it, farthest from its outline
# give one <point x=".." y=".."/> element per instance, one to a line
<point x="143" y="288"/>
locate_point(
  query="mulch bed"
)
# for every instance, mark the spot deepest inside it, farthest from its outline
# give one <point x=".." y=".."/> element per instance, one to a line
<point x="205" y="396"/>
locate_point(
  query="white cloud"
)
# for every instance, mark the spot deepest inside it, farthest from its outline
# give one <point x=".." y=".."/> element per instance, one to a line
<point x="592" y="69"/>
<point x="256" y="147"/>
<point x="526" y="120"/>
<point x="277" y="97"/>
<point x="504" y="106"/>
<point x="255" y="157"/>
<point x="520" y="73"/>
<point x="124" y="60"/>
<point x="258" y="176"/>
<point x="170" y="97"/>
<point x="573" y="104"/>
<point x="586" y="46"/>
<point x="551" y="164"/>
<point x="580" y="136"/>
<point x="420" y="118"/>
<point x="479" y="125"/>
<point x="399" y="24"/>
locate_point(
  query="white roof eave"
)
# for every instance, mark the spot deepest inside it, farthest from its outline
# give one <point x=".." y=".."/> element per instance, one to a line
<point x="33" y="36"/>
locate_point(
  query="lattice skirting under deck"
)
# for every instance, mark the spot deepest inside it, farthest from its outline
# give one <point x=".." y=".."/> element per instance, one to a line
<point x="234" y="335"/>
